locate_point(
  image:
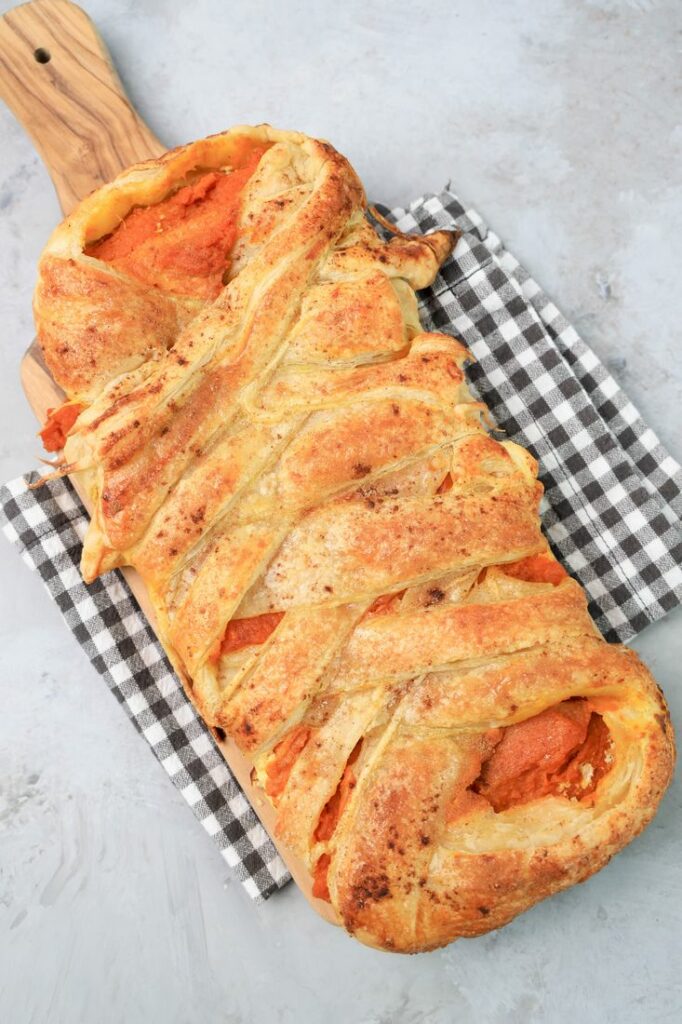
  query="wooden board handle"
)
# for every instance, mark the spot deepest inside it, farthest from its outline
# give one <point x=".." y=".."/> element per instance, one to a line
<point x="57" y="78"/>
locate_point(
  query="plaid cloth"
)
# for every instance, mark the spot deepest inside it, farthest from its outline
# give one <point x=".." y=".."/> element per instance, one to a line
<point x="612" y="512"/>
<point x="48" y="525"/>
<point x="613" y="495"/>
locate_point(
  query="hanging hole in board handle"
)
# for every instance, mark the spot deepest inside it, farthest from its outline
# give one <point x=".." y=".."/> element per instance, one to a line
<point x="42" y="56"/>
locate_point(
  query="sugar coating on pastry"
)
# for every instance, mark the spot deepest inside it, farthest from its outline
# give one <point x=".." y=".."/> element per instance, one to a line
<point x="348" y="570"/>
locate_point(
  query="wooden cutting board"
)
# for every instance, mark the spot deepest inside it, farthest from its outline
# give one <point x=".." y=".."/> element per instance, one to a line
<point x="58" y="79"/>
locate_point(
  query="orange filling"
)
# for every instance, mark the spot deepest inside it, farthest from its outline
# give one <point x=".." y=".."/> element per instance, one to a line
<point x="560" y="752"/>
<point x="320" y="873"/>
<point x="329" y="819"/>
<point x="445" y="485"/>
<point x="246" y="632"/>
<point x="384" y="604"/>
<point x="58" y="424"/>
<point x="182" y="244"/>
<point x="537" y="569"/>
<point x="336" y="804"/>
<point x="285" y="755"/>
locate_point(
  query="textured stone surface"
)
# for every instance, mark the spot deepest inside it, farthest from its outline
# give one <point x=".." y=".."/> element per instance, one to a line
<point x="562" y="124"/>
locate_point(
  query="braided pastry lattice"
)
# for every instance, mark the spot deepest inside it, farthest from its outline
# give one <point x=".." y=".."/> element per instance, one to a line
<point x="348" y="571"/>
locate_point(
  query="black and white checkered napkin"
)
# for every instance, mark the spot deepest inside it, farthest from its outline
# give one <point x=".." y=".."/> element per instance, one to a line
<point x="48" y="525"/>
<point x="613" y="503"/>
<point x="613" y="495"/>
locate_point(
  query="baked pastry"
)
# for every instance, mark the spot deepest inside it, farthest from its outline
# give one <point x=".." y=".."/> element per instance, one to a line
<point x="348" y="571"/>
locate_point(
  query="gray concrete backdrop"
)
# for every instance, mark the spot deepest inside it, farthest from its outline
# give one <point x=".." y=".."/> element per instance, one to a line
<point x="562" y="123"/>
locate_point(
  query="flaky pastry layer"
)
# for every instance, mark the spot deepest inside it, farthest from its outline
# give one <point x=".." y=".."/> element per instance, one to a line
<point x="331" y="540"/>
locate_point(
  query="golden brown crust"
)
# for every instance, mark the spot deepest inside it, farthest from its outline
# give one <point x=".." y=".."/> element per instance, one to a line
<point x="301" y="450"/>
<point x="93" y="324"/>
<point x="407" y="879"/>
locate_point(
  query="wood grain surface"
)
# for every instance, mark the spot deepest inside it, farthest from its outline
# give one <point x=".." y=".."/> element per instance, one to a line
<point x="59" y="81"/>
<point x="57" y="78"/>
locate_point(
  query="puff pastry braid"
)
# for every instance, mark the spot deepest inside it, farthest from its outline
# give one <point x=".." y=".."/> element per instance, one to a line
<point x="348" y="571"/>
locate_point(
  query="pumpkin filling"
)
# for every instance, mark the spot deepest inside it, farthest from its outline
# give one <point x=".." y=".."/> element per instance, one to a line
<point x="248" y="632"/>
<point x="329" y="819"/>
<point x="183" y="243"/>
<point x="445" y="485"/>
<point x="283" y="760"/>
<point x="384" y="604"/>
<point x="320" y="874"/>
<point x="537" y="569"/>
<point x="335" y="806"/>
<point x="563" y="751"/>
<point x="58" y="424"/>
